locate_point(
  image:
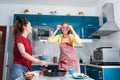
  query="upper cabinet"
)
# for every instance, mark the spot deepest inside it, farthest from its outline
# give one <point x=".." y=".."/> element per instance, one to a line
<point x="83" y="25"/>
<point x="37" y="20"/>
<point x="90" y="25"/>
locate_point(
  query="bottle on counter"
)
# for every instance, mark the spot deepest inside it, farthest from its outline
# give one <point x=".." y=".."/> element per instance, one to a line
<point x="54" y="59"/>
<point x="90" y="59"/>
<point x="81" y="61"/>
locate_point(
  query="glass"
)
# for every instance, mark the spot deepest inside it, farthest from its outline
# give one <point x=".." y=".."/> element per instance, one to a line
<point x="54" y="59"/>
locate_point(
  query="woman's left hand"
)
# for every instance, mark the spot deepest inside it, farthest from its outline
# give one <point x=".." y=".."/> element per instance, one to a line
<point x="70" y="26"/>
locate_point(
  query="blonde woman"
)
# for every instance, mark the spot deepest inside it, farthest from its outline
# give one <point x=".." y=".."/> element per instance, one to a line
<point x="68" y="58"/>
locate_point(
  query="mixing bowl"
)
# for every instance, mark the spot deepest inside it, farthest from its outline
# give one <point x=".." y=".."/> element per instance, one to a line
<point x="43" y="57"/>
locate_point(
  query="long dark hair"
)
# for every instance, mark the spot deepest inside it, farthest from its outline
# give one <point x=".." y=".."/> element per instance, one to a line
<point x="18" y="27"/>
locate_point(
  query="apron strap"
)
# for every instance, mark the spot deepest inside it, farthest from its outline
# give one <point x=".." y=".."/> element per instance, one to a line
<point x="63" y="61"/>
<point x="68" y="38"/>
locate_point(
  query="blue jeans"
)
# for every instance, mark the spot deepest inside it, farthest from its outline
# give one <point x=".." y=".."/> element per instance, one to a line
<point x="17" y="71"/>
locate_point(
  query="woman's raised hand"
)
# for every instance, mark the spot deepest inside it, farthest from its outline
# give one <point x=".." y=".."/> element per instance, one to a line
<point x="59" y="27"/>
<point x="70" y="26"/>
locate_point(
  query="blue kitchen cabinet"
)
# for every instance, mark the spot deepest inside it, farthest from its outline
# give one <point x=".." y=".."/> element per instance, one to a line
<point x="83" y="25"/>
<point x="38" y="20"/>
<point x="52" y="67"/>
<point x="91" y="21"/>
<point x="111" y="73"/>
<point x="95" y="73"/>
<point x="104" y="20"/>
<point x="38" y="67"/>
<point x="35" y="67"/>
<point x="44" y="20"/>
<point x="98" y="73"/>
<point x="90" y="24"/>
<point x="82" y="68"/>
<point x="87" y="31"/>
<point x="75" y="21"/>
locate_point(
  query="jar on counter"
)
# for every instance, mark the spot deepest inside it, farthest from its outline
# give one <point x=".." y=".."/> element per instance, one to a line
<point x="81" y="61"/>
<point x="90" y="59"/>
<point x="54" y="59"/>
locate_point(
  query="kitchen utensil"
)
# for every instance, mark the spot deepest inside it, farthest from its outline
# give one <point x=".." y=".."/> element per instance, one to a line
<point x="54" y="73"/>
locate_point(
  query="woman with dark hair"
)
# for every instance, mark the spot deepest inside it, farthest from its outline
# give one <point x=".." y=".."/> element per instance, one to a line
<point x="68" y="58"/>
<point x="22" y="52"/>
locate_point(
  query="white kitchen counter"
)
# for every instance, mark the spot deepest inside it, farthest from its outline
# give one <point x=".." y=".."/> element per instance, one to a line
<point x="101" y="66"/>
<point x="51" y="63"/>
<point x="66" y="77"/>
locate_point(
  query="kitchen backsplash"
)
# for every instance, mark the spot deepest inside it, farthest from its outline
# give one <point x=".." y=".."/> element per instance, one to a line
<point x="41" y="48"/>
<point x="53" y="50"/>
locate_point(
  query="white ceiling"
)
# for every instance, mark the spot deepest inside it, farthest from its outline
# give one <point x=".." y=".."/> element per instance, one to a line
<point x="85" y="3"/>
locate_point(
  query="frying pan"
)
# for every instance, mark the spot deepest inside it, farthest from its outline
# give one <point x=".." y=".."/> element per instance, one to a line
<point x="54" y="73"/>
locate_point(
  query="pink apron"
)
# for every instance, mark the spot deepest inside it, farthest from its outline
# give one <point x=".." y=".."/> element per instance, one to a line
<point x="68" y="58"/>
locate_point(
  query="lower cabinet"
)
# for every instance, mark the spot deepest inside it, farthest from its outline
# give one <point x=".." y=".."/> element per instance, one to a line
<point x="82" y="68"/>
<point x="38" y="67"/>
<point x="111" y="73"/>
<point x="98" y="73"/>
<point x="95" y="73"/>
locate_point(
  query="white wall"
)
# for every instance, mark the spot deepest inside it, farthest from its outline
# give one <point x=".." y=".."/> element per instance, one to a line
<point x="7" y="11"/>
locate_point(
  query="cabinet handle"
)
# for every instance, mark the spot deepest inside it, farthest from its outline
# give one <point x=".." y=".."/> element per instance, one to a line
<point x="44" y="24"/>
<point x="82" y="30"/>
<point x="87" y="68"/>
<point x="100" y="74"/>
<point x="93" y="70"/>
<point x="89" y="25"/>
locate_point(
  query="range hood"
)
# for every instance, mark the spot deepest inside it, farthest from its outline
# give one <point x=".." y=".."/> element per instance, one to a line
<point x="109" y="26"/>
